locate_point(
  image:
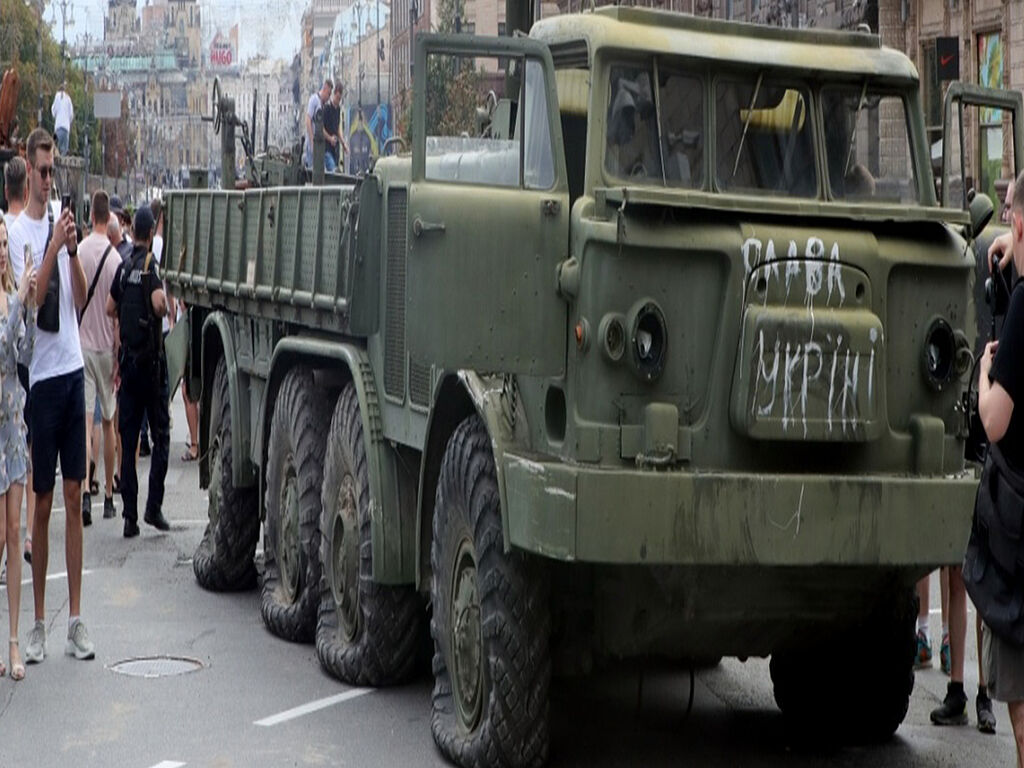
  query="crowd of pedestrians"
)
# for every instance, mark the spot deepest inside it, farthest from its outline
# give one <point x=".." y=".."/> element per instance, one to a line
<point x="81" y="352"/>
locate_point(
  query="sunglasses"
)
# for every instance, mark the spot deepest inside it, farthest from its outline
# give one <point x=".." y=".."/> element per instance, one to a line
<point x="45" y="171"/>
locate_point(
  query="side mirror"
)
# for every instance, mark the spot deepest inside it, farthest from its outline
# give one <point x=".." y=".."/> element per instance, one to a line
<point x="981" y="210"/>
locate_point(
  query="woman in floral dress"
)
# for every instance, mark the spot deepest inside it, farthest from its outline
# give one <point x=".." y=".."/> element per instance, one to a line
<point x="17" y="336"/>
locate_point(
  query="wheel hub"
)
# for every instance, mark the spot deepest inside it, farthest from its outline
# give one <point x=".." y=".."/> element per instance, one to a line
<point x="288" y="533"/>
<point x="345" y="557"/>
<point x="467" y="638"/>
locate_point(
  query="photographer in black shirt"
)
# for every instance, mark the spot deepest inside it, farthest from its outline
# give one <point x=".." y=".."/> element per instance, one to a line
<point x="1000" y="387"/>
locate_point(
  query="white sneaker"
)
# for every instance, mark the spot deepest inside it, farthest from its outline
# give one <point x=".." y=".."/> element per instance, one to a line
<point x="35" y="651"/>
<point x="79" y="645"/>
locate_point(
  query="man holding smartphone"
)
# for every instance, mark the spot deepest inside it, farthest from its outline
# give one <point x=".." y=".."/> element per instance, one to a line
<point x="57" y="388"/>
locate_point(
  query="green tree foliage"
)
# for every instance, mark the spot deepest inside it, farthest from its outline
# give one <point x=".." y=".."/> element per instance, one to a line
<point x="453" y="86"/>
<point x="19" y="48"/>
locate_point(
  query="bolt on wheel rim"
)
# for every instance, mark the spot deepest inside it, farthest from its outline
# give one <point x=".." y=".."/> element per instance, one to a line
<point x="288" y="535"/>
<point x="467" y="638"/>
<point x="345" y="557"/>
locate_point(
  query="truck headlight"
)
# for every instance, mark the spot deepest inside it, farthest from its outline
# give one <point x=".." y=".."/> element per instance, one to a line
<point x="939" y="354"/>
<point x="648" y="340"/>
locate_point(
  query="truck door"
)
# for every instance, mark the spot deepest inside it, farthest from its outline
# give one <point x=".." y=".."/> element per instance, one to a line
<point x="488" y="208"/>
<point x="989" y="104"/>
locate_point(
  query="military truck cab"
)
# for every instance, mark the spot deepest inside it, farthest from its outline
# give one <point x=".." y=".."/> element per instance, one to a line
<point x="668" y="361"/>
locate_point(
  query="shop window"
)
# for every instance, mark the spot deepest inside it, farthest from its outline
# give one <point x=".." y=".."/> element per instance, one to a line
<point x="990" y="122"/>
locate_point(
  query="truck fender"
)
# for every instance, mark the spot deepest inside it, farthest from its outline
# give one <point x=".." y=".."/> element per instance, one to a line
<point x="456" y="396"/>
<point x="392" y="509"/>
<point x="217" y="343"/>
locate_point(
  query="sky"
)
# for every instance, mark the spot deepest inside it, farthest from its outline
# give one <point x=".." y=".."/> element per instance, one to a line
<point x="266" y="25"/>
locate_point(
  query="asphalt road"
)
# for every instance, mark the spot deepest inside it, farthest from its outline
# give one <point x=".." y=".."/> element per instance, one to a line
<point x="254" y="700"/>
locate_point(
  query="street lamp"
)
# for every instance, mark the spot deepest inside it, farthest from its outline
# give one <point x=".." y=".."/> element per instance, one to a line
<point x="380" y="52"/>
<point x="359" y="50"/>
<point x="414" y="13"/>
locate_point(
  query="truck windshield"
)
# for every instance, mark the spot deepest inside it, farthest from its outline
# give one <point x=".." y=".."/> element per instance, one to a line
<point x="655" y="138"/>
<point x="764" y="137"/>
<point x="868" y="145"/>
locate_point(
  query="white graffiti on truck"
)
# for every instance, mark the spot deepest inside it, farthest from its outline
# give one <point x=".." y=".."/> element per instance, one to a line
<point x="791" y="376"/>
<point x="819" y="273"/>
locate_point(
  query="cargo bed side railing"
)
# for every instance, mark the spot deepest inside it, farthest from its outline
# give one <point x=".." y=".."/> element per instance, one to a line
<point x="285" y="247"/>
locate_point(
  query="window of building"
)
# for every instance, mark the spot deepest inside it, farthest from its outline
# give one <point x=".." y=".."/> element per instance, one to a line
<point x="990" y="121"/>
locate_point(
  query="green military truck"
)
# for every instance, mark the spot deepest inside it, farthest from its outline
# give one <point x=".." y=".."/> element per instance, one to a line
<point x="667" y="361"/>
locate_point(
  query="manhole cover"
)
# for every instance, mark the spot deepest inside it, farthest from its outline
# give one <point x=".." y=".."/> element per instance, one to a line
<point x="157" y="666"/>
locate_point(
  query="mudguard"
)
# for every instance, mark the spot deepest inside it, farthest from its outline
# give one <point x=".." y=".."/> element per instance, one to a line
<point x="458" y="395"/>
<point x="243" y="472"/>
<point x="392" y="511"/>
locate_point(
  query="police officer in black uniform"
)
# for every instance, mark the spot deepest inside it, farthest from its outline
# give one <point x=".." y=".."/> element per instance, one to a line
<point x="138" y="301"/>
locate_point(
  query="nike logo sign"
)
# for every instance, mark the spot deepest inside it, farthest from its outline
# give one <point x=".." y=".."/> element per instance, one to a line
<point x="944" y="60"/>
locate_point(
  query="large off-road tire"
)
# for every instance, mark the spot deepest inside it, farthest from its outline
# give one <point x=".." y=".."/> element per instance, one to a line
<point x="872" y="686"/>
<point x="491" y="621"/>
<point x="223" y="561"/>
<point x="295" y="461"/>
<point x="366" y="633"/>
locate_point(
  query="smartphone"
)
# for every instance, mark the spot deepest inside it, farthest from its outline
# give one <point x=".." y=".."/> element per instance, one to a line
<point x="65" y="202"/>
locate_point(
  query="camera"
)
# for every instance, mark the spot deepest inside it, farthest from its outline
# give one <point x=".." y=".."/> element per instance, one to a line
<point x="997" y="289"/>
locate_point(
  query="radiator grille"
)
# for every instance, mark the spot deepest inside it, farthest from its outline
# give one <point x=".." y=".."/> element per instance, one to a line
<point x="419" y="383"/>
<point x="394" y="322"/>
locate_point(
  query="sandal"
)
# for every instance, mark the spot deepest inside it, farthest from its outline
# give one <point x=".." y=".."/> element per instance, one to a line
<point x="191" y="454"/>
<point x="17" y="668"/>
<point x="28" y="550"/>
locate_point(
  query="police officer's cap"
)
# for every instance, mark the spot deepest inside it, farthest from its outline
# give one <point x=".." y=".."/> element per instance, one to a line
<point x="143" y="223"/>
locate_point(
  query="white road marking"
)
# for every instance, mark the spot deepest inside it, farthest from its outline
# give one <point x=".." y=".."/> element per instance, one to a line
<point x="313" y="706"/>
<point x="50" y="577"/>
<point x="168" y="764"/>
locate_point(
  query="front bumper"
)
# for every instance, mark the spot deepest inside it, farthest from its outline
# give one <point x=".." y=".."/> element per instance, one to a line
<point x="624" y="516"/>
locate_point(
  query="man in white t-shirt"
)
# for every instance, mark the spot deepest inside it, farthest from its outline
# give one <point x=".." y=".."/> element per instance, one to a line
<point x="57" y="391"/>
<point x="63" y="112"/>
<point x="316" y="103"/>
<point x="100" y="261"/>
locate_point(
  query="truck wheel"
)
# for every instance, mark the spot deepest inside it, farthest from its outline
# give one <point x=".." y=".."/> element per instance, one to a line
<point x="295" y="459"/>
<point x="876" y="682"/>
<point x="366" y="633"/>
<point x="223" y="561"/>
<point x="492" y="666"/>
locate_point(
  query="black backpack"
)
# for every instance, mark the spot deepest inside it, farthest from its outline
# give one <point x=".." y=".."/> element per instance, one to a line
<point x="134" y="313"/>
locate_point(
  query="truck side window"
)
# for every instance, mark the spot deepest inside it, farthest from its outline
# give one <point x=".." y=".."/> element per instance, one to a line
<point x="461" y="146"/>
<point x="538" y="163"/>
